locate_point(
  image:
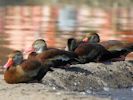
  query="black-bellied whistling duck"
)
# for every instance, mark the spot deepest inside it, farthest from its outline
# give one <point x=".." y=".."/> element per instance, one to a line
<point x="92" y="52"/>
<point x="19" y="70"/>
<point x="110" y="44"/>
<point x="52" y="57"/>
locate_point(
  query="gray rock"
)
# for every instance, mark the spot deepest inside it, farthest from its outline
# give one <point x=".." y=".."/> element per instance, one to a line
<point x="91" y="76"/>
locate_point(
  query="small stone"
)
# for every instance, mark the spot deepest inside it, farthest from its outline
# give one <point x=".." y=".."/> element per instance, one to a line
<point x="106" y="88"/>
<point x="83" y="93"/>
<point x="54" y="88"/>
<point x="75" y="83"/>
<point x="88" y="91"/>
<point x="58" y="93"/>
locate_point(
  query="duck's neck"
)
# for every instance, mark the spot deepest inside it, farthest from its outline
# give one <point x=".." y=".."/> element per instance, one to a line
<point x="18" y="63"/>
<point x="40" y="50"/>
<point x="72" y="45"/>
<point x="94" y="39"/>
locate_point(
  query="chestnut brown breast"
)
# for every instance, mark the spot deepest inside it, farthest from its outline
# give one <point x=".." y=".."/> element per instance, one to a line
<point x="24" y="71"/>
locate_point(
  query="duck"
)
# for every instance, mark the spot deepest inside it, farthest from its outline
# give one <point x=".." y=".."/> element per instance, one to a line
<point x="20" y="70"/>
<point x="94" y="52"/>
<point x="52" y="57"/>
<point x="110" y="45"/>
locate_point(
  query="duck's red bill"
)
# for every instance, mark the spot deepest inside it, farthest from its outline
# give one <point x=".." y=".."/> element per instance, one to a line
<point x="8" y="63"/>
<point x="85" y="39"/>
<point x="28" y="50"/>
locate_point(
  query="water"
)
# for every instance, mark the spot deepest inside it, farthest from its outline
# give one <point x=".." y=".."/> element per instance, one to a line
<point x="116" y="94"/>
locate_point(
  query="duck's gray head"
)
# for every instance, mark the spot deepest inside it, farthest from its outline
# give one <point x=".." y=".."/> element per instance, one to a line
<point x="39" y="45"/>
<point x="92" y="38"/>
<point x="14" y="58"/>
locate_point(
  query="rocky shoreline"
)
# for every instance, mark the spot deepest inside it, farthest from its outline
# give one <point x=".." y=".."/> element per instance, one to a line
<point x="74" y="82"/>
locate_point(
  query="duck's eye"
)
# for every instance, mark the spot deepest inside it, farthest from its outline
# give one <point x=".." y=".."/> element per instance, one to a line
<point x="13" y="57"/>
<point x="37" y="49"/>
<point x="18" y="59"/>
<point x="17" y="56"/>
<point x="36" y="45"/>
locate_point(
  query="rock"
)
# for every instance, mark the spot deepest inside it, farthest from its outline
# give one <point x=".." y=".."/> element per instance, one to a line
<point x="92" y="76"/>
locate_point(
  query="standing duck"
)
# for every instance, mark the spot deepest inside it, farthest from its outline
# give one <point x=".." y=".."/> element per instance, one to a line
<point x="93" y="52"/>
<point x="52" y="57"/>
<point x="19" y="70"/>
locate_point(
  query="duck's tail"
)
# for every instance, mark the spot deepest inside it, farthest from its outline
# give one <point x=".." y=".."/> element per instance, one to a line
<point x="129" y="48"/>
<point x="122" y="53"/>
<point x="117" y="55"/>
<point x="125" y="51"/>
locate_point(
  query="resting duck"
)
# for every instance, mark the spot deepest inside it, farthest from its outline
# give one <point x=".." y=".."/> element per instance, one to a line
<point x="110" y="44"/>
<point x="52" y="57"/>
<point x="19" y="70"/>
<point x="92" y="52"/>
